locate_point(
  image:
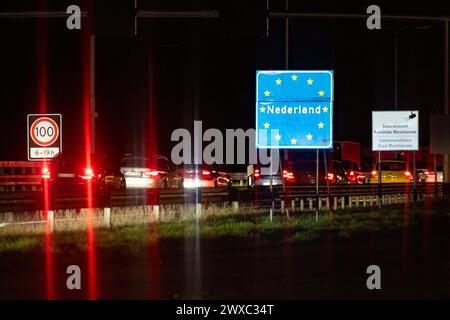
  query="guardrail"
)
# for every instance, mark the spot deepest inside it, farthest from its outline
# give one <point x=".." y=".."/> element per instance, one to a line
<point x="343" y="196"/>
<point x="20" y="176"/>
<point x="301" y="197"/>
<point x="288" y="200"/>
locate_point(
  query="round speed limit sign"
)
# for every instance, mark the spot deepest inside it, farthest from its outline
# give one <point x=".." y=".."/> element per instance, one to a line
<point x="44" y="131"/>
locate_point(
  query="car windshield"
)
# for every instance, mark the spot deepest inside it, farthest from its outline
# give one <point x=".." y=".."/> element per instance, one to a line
<point x="393" y="166"/>
<point x="135" y="162"/>
<point x="193" y="167"/>
<point x="307" y="165"/>
<point x="65" y="165"/>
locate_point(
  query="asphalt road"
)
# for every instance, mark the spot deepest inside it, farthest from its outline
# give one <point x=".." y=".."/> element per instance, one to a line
<point x="414" y="264"/>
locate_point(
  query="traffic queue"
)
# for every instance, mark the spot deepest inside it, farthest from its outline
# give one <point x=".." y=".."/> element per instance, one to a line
<point x="341" y="166"/>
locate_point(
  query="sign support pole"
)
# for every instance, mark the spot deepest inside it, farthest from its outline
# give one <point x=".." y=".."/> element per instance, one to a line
<point x="317" y="184"/>
<point x="435" y="176"/>
<point x="286" y="66"/>
<point x="272" y="204"/>
<point x="414" y="177"/>
<point x="446" y="160"/>
<point x="325" y="160"/>
<point x="379" y="180"/>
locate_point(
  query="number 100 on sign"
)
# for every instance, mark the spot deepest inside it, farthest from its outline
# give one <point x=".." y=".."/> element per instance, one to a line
<point x="44" y="136"/>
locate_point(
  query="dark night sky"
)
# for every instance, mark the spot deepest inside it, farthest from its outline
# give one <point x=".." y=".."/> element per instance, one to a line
<point x="208" y="72"/>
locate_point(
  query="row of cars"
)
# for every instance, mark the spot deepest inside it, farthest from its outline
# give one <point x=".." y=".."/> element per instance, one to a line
<point x="132" y="172"/>
<point x="305" y="172"/>
<point x="159" y="172"/>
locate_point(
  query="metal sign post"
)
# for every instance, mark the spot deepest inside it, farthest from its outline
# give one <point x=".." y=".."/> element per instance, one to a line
<point x="317" y="184"/>
<point x="380" y="186"/>
<point x="414" y="177"/>
<point x="272" y="202"/>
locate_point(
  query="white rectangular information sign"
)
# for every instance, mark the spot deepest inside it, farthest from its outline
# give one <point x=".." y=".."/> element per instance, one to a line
<point x="395" y="130"/>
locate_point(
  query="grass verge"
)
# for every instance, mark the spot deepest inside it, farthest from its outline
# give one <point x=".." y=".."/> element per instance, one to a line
<point x="248" y="223"/>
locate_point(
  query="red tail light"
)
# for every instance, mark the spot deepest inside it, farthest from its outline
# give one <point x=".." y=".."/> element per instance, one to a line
<point x="151" y="173"/>
<point x="330" y="176"/>
<point x="407" y="174"/>
<point x="288" y="175"/>
<point x="352" y="173"/>
<point x="257" y="174"/>
<point x="45" y="173"/>
<point x="206" y="173"/>
<point x="88" y="174"/>
<point x="427" y="173"/>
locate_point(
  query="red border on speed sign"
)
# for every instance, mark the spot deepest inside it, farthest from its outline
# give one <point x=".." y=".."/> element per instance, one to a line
<point x="36" y="139"/>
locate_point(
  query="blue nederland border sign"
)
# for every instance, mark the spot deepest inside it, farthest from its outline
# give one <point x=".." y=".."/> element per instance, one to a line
<point x="294" y="109"/>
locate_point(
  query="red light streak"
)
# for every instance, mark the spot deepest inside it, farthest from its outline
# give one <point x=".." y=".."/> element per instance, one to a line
<point x="42" y="58"/>
<point x="86" y="98"/>
<point x="49" y="258"/>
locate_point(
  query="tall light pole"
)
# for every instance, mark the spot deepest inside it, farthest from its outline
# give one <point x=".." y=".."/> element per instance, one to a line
<point x="396" y="37"/>
<point x="446" y="164"/>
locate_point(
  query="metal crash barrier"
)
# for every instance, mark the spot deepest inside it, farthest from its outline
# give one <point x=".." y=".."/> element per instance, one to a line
<point x="297" y="197"/>
<point x="155" y="201"/>
<point x="20" y="176"/>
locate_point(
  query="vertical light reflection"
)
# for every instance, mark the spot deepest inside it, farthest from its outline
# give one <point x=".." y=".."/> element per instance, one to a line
<point x="42" y="65"/>
<point x="287" y="252"/>
<point x="192" y="252"/>
<point x="154" y="263"/>
<point x="87" y="68"/>
<point x="426" y="238"/>
<point x="91" y="258"/>
<point x="405" y="240"/>
<point x="49" y="258"/>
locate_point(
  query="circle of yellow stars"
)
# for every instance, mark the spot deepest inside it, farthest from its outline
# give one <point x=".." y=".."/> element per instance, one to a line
<point x="320" y="125"/>
<point x="294" y="77"/>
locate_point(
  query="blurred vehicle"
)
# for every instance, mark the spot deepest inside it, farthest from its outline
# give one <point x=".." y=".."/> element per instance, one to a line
<point x="367" y="168"/>
<point x="157" y="172"/>
<point x="341" y="176"/>
<point x="353" y="172"/>
<point x="429" y="175"/>
<point x="65" y="172"/>
<point x="392" y="171"/>
<point x="222" y="178"/>
<point x="260" y="176"/>
<point x="347" y="151"/>
<point x="235" y="172"/>
<point x="303" y="172"/>
<point x="238" y="179"/>
<point x="424" y="172"/>
<point x="439" y="174"/>
<point x="202" y="175"/>
<point x="422" y="175"/>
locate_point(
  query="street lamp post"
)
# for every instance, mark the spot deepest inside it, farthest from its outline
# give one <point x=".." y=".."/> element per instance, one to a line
<point x="396" y="37"/>
<point x="397" y="34"/>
